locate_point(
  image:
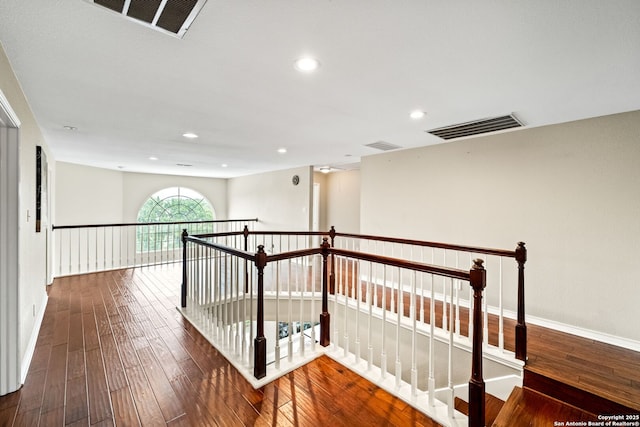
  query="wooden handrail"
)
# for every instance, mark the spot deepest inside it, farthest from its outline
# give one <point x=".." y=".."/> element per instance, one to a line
<point x="126" y="224"/>
<point x="462" y="248"/>
<point x="454" y="273"/>
<point x="226" y="249"/>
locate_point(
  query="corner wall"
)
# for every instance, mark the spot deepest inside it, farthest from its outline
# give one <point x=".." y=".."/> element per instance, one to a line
<point x="343" y="201"/>
<point x="32" y="246"/>
<point x="273" y="199"/>
<point x="570" y="191"/>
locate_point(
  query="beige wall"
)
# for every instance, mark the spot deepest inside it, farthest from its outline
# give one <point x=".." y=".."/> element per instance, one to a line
<point x="89" y="195"/>
<point x="570" y="191"/>
<point x="32" y="275"/>
<point x="138" y="187"/>
<point x="273" y="199"/>
<point x="343" y="201"/>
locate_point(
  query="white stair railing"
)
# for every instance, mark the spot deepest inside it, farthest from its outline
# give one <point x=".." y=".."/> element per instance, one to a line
<point x="87" y="248"/>
<point x="388" y="305"/>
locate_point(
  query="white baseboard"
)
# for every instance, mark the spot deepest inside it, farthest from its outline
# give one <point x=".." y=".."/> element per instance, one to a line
<point x="573" y="330"/>
<point x="584" y="333"/>
<point x="31" y="347"/>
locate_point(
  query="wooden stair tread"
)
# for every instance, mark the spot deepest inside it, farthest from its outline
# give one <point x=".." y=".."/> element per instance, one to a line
<point x="582" y="372"/>
<point x="526" y="407"/>
<point x="492" y="407"/>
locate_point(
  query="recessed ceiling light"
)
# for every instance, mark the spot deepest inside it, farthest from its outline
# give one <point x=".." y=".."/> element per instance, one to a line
<point x="70" y="128"/>
<point x="224" y="165"/>
<point x="307" y="64"/>
<point x="417" y="114"/>
<point x="282" y="150"/>
<point x="153" y="158"/>
<point x="325" y="169"/>
<point x="190" y="135"/>
<point x="186" y="165"/>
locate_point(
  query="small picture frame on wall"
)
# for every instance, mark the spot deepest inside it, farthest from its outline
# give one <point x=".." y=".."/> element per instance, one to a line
<point x="41" y="188"/>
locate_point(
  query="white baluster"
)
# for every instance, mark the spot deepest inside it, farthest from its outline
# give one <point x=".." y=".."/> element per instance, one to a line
<point x="383" y="355"/>
<point x="501" y="315"/>
<point x="450" y="363"/>
<point x="457" y="288"/>
<point x="470" y="332"/>
<point x="301" y="293"/>
<point x="414" y="338"/>
<point x="432" y="356"/>
<point x="398" y="328"/>
<point x="312" y="266"/>
<point x="445" y="320"/>
<point x="357" y="295"/>
<point x="290" y="320"/>
<point x="370" y="317"/>
<point x="485" y="326"/>
<point x="344" y="285"/>
<point x="277" y="338"/>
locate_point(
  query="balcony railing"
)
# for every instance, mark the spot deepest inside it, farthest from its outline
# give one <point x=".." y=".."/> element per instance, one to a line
<point x="86" y="248"/>
<point x="391" y="309"/>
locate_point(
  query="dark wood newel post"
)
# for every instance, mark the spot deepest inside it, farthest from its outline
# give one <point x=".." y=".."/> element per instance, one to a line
<point x="521" y="326"/>
<point x="245" y="233"/>
<point x="478" y="279"/>
<point x="324" y="315"/>
<point x="183" y="296"/>
<point x="260" y="342"/>
<point x="332" y="277"/>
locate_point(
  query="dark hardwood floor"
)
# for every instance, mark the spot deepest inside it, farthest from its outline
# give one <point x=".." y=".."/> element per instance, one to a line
<point x="113" y="350"/>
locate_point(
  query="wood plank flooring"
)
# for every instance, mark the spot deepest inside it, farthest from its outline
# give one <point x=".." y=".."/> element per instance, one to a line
<point x="113" y="350"/>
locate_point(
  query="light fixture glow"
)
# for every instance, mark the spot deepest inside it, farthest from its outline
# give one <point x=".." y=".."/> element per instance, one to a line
<point x="325" y="169"/>
<point x="307" y="64"/>
<point x="282" y="150"/>
<point x="190" y="135"/>
<point x="224" y="165"/>
<point x="153" y="158"/>
<point x="417" y="114"/>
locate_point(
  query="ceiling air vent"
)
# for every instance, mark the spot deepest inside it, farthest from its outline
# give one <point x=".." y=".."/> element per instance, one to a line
<point x="477" y="127"/>
<point x="169" y="16"/>
<point x="382" y="145"/>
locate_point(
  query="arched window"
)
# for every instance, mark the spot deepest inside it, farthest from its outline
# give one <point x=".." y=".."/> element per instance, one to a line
<point x="173" y="204"/>
<point x="176" y="204"/>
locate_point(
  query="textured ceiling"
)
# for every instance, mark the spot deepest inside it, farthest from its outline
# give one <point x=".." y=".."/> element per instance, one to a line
<point x="132" y="92"/>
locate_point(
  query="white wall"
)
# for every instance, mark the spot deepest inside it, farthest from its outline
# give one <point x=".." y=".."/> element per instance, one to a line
<point x="343" y="201"/>
<point x="89" y="195"/>
<point x="273" y="199"/>
<point x="32" y="246"/>
<point x="569" y="191"/>
<point x="138" y="187"/>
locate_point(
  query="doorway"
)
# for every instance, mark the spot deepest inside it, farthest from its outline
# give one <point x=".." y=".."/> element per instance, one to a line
<point x="10" y="373"/>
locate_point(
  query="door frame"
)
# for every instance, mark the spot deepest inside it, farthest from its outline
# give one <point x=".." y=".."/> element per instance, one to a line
<point x="10" y="369"/>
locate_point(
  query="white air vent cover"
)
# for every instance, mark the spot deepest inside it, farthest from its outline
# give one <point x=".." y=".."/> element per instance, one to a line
<point x="169" y="16"/>
<point x="382" y="145"/>
<point x="477" y="127"/>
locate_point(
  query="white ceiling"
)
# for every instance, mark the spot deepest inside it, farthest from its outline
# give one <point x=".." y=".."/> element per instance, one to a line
<point x="132" y="91"/>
